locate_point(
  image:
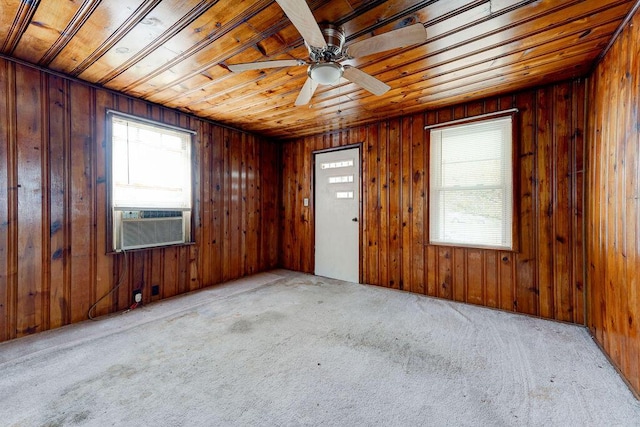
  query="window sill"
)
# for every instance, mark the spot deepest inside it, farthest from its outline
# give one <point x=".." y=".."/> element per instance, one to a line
<point x="479" y="247"/>
<point x="178" y="245"/>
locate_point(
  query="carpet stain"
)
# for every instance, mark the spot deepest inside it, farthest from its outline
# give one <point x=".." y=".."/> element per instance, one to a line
<point x="244" y="326"/>
<point x="80" y="417"/>
<point x="67" y="419"/>
<point x="122" y="371"/>
<point x="241" y="326"/>
<point x="414" y="357"/>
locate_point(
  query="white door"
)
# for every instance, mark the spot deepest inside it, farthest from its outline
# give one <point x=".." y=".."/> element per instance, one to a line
<point x="337" y="184"/>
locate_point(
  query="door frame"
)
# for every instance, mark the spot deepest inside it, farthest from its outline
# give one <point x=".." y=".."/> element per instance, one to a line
<point x="312" y="202"/>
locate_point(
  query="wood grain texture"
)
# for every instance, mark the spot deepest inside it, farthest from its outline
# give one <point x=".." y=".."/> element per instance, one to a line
<point x="542" y="278"/>
<point x="613" y="208"/>
<point x="176" y="53"/>
<point x="53" y="214"/>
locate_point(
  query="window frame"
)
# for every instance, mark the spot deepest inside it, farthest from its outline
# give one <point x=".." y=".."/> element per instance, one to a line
<point x="108" y="144"/>
<point x="515" y="172"/>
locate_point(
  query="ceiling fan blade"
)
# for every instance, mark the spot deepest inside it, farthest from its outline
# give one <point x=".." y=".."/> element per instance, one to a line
<point x="301" y="17"/>
<point x="236" y="68"/>
<point x="365" y="81"/>
<point x="402" y="37"/>
<point x="307" y="92"/>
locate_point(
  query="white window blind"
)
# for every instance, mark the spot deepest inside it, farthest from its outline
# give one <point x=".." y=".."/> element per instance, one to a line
<point x="471" y="188"/>
<point x="151" y="166"/>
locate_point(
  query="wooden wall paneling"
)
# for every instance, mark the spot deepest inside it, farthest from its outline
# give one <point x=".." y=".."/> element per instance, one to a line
<point x="7" y="123"/>
<point x="504" y="274"/>
<point x="81" y="195"/>
<point x="592" y="198"/>
<point x="563" y="158"/>
<point x="253" y="258"/>
<point x="58" y="131"/>
<point x="506" y="280"/>
<point x="45" y="260"/>
<point x="216" y="201"/>
<point x="303" y="191"/>
<point x="459" y="274"/>
<point x="227" y="197"/>
<point x="444" y="284"/>
<point x="270" y="190"/>
<point x="170" y="285"/>
<point x="616" y="203"/>
<point x="383" y="176"/>
<point x="506" y="265"/>
<point x="418" y="201"/>
<point x="187" y="279"/>
<point x="406" y="204"/>
<point x="492" y="286"/>
<point x="297" y="209"/>
<point x="249" y="209"/>
<point x="621" y="229"/>
<point x="205" y="205"/>
<point x="430" y="287"/>
<point x="193" y="251"/>
<point x="613" y="216"/>
<point x="526" y="294"/>
<point x="394" y="259"/>
<point x="372" y="203"/>
<point x="475" y="275"/>
<point x="285" y="223"/>
<point x="241" y="203"/>
<point x="631" y="214"/>
<point x="8" y="203"/>
<point x="104" y="263"/>
<point x="30" y="207"/>
<point x="578" y="199"/>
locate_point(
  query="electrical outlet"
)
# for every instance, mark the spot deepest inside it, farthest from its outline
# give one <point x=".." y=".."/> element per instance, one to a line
<point x="155" y="290"/>
<point x="137" y="295"/>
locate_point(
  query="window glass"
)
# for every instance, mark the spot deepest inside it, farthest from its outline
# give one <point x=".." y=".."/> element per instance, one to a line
<point x="151" y="167"/>
<point x="471" y="189"/>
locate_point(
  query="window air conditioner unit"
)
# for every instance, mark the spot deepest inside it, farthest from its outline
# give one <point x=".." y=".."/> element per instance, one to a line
<point x="146" y="229"/>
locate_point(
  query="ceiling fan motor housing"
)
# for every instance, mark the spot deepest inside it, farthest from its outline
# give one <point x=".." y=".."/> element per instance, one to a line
<point x="335" y="38"/>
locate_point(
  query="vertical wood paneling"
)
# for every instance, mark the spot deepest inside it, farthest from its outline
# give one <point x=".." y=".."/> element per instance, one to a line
<point x="396" y="252"/>
<point x="418" y="202"/>
<point x="5" y="320"/>
<point x="613" y="208"/>
<point x="8" y="202"/>
<point x="526" y="279"/>
<point x="372" y="205"/>
<point x="81" y="203"/>
<point x="54" y="261"/>
<point x="546" y="210"/>
<point x="394" y="260"/>
<point x="29" y="191"/>
<point x="383" y="204"/>
<point x="104" y="263"/>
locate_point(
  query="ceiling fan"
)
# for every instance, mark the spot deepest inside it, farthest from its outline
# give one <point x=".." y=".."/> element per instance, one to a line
<point x="326" y="50"/>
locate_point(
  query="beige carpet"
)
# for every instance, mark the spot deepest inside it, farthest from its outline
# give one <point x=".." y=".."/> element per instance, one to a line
<point x="284" y="348"/>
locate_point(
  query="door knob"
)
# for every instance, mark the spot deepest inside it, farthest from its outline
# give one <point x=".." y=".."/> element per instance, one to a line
<point x="355" y="219"/>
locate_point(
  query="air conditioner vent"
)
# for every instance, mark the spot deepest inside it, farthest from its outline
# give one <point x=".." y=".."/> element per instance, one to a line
<point x="149" y="232"/>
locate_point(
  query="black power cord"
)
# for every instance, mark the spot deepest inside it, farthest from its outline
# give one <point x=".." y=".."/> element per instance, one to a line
<point x="120" y="281"/>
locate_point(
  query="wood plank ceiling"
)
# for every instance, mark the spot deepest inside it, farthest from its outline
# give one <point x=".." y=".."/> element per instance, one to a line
<point x="176" y="52"/>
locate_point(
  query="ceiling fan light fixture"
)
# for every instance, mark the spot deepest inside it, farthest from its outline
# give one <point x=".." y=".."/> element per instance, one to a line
<point x="325" y="73"/>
